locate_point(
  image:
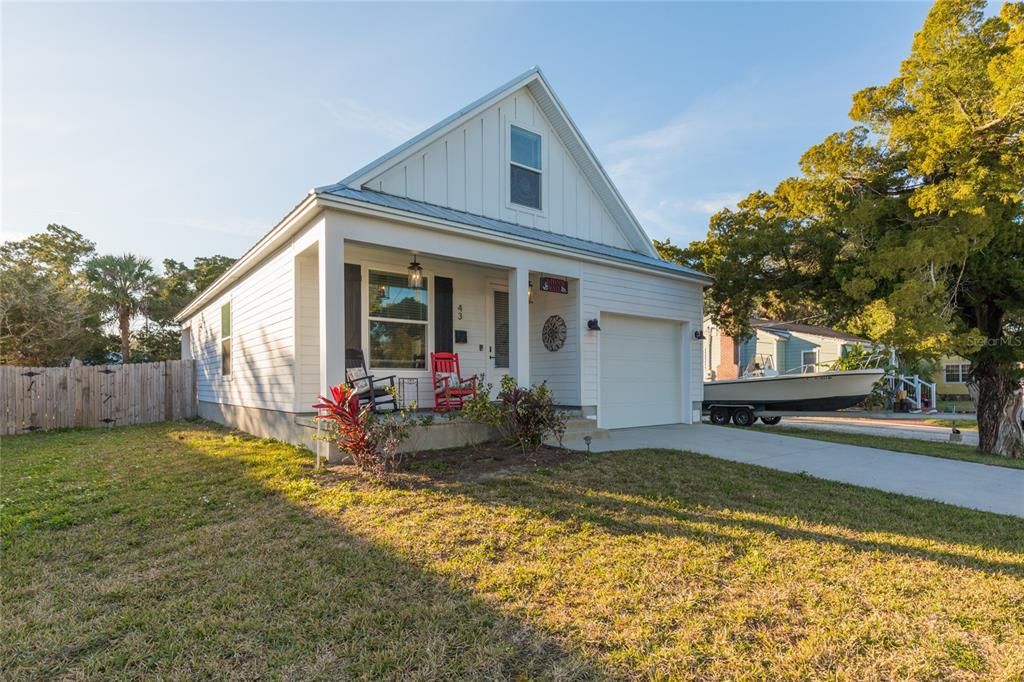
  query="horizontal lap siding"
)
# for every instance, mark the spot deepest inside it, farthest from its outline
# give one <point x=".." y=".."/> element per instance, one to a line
<point x="263" y="352"/>
<point x="795" y="346"/>
<point x="607" y="289"/>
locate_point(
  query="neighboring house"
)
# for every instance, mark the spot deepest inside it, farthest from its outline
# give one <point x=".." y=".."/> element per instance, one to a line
<point x="783" y="346"/>
<point x="527" y="259"/>
<point x="951" y="378"/>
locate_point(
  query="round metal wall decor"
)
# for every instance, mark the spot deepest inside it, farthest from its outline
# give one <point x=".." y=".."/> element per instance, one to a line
<point x="554" y="333"/>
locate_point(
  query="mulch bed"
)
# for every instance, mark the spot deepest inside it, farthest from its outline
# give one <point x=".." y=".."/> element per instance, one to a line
<point x="472" y="461"/>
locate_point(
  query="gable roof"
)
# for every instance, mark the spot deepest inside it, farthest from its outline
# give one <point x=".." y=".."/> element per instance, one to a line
<point x="799" y="328"/>
<point x="509" y="229"/>
<point x="570" y="136"/>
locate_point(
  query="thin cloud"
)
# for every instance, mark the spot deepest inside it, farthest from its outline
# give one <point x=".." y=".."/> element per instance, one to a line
<point x="713" y="204"/>
<point x="355" y="116"/>
<point x="62" y="211"/>
<point x="647" y="165"/>
<point x="232" y="226"/>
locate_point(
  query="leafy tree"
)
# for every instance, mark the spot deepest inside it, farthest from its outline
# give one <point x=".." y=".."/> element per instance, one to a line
<point x="909" y="227"/>
<point x="180" y="283"/>
<point x="160" y="337"/>
<point x="121" y="284"/>
<point x="46" y="313"/>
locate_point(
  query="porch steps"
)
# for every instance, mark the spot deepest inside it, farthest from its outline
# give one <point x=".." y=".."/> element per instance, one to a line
<point x="577" y="428"/>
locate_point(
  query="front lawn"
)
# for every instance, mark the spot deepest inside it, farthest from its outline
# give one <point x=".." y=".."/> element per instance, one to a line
<point x="916" y="446"/>
<point x="185" y="551"/>
<point x="962" y="424"/>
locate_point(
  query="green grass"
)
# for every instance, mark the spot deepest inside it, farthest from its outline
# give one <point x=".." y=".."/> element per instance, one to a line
<point x="966" y="405"/>
<point x="962" y="424"/>
<point x="931" y="448"/>
<point x="183" y="551"/>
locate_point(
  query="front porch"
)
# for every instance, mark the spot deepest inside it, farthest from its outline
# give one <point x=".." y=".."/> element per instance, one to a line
<point x="353" y="298"/>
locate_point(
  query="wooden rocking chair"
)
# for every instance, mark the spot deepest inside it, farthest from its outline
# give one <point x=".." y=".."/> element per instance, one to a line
<point x="450" y="389"/>
<point x="371" y="390"/>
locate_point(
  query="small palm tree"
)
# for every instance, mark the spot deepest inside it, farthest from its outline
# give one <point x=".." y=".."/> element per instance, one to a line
<point x="121" y="284"/>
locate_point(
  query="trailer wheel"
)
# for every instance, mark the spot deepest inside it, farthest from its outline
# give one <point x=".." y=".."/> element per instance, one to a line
<point x="771" y="421"/>
<point x="743" y="416"/>
<point x="719" y="416"/>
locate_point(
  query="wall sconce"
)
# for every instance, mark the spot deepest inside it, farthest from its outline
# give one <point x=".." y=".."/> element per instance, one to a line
<point x="529" y="292"/>
<point x="699" y="335"/>
<point x="593" y="326"/>
<point x="415" y="274"/>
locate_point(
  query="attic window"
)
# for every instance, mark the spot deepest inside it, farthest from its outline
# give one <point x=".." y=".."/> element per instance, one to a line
<point x="524" y="169"/>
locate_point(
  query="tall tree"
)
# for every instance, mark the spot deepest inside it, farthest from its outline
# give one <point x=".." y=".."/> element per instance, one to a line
<point x="121" y="284"/>
<point x="46" y="315"/>
<point x="159" y="339"/>
<point x="909" y="227"/>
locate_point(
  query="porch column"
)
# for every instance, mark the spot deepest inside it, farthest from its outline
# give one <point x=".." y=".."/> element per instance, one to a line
<point x="519" y="324"/>
<point x="331" y="300"/>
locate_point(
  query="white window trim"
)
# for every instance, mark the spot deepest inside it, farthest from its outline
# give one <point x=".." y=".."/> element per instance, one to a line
<point x="394" y="269"/>
<point x="507" y="173"/>
<point x="961" y="372"/>
<point x="230" y="301"/>
<point x="803" y="355"/>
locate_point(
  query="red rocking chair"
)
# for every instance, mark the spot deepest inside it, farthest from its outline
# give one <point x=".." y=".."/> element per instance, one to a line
<point x="450" y="389"/>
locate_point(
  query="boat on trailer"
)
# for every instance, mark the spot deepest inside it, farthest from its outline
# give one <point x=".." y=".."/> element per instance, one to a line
<point x="763" y="390"/>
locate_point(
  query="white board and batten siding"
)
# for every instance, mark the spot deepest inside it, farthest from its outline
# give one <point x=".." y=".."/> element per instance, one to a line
<point x="468" y="170"/>
<point x="262" y="339"/>
<point x="607" y="290"/>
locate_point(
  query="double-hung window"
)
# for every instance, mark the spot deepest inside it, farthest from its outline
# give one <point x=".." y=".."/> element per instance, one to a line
<point x="524" y="169"/>
<point x="225" y="339"/>
<point x="398" y="321"/>
<point x="958" y="373"/>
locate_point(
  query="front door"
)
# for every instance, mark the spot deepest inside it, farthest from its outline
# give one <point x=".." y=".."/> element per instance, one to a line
<point x="497" y="334"/>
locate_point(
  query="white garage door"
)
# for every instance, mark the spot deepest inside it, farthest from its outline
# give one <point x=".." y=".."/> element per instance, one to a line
<point x="641" y="377"/>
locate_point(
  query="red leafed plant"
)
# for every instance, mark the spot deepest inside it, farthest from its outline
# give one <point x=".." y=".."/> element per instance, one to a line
<point x="370" y="439"/>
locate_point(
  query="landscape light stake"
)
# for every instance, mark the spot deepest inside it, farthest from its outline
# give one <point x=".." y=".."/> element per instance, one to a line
<point x="587" y="439"/>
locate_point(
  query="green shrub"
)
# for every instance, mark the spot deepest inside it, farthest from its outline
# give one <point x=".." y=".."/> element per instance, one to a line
<point x="523" y="416"/>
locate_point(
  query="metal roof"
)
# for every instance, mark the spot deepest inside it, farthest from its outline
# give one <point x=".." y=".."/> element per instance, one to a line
<point x="795" y="327"/>
<point x="508" y="229"/>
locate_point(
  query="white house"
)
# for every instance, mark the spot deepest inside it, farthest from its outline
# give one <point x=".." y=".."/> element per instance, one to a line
<point x="517" y="228"/>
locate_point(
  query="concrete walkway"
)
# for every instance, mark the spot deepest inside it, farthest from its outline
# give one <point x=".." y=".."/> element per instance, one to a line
<point x="978" y="486"/>
<point x="896" y="428"/>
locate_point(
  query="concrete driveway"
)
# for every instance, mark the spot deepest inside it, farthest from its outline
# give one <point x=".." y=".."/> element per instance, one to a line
<point x="977" y="486"/>
<point x="896" y="428"/>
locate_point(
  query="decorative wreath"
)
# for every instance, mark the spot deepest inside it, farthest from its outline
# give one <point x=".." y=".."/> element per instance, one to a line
<point x="554" y="333"/>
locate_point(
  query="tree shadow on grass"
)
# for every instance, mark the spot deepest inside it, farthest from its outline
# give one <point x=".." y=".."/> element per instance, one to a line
<point x="191" y="566"/>
<point x="673" y="494"/>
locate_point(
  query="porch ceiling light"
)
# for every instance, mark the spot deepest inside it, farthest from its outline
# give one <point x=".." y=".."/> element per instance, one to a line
<point x="415" y="274"/>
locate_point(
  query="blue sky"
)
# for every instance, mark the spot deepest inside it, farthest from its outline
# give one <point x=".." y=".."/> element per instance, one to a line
<point x="185" y="130"/>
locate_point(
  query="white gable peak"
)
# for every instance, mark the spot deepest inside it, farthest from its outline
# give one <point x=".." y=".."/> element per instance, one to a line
<point x="468" y="162"/>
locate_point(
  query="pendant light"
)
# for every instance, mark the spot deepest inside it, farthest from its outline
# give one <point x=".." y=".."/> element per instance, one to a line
<point x="415" y="274"/>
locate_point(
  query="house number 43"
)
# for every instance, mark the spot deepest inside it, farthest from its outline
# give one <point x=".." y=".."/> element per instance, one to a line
<point x="460" y="311"/>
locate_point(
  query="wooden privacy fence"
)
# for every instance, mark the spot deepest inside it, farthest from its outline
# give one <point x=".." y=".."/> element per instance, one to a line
<point x="43" y="398"/>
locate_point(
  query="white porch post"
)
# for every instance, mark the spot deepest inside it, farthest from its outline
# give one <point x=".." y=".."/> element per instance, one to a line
<point x="331" y="299"/>
<point x="519" y="324"/>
